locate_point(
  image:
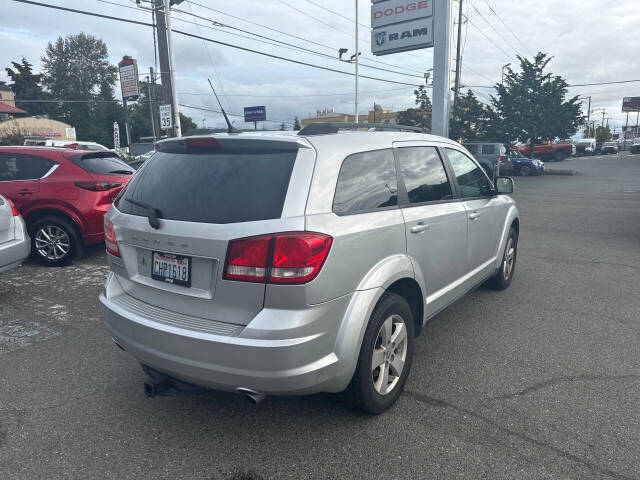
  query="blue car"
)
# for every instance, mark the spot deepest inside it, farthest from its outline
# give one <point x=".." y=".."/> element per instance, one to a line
<point x="523" y="166"/>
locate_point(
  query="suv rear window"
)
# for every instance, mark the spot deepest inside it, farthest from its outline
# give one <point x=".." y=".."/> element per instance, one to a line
<point x="488" y="149"/>
<point x="101" y="164"/>
<point x="212" y="187"/>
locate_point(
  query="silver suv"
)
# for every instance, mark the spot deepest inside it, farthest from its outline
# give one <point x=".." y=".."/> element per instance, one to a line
<point x="290" y="264"/>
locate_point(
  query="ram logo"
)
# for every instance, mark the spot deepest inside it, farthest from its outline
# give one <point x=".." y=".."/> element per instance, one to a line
<point x="381" y="37"/>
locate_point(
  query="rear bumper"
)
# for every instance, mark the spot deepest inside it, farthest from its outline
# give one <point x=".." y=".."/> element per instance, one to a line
<point x="14" y="252"/>
<point x="297" y="354"/>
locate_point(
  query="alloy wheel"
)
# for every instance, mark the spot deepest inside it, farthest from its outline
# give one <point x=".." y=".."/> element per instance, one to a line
<point x="509" y="259"/>
<point x="52" y="242"/>
<point x="389" y="354"/>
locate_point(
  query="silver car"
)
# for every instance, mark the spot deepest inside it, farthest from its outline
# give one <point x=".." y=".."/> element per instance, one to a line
<point x="287" y="264"/>
<point x="15" y="244"/>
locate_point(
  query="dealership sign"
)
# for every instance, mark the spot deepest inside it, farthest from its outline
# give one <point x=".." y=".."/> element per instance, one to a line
<point x="128" y="68"/>
<point x="401" y="25"/>
<point x="631" y="104"/>
<point x="255" y="114"/>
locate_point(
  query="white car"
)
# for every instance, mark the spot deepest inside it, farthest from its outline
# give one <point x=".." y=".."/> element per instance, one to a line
<point x="15" y="244"/>
<point x="76" y="144"/>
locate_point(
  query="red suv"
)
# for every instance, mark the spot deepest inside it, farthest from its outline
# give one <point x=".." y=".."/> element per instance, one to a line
<point x="62" y="194"/>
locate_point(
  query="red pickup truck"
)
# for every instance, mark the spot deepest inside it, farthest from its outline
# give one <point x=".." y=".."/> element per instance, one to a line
<point x="555" y="152"/>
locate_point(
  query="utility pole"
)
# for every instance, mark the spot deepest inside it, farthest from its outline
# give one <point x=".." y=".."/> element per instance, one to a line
<point x="167" y="70"/>
<point x="127" y="127"/>
<point x="456" y="91"/>
<point x="153" y="122"/>
<point x="588" y="115"/>
<point x="603" y="111"/>
<point x="357" y="60"/>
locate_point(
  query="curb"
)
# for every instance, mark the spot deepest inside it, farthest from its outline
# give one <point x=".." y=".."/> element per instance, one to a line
<point x="555" y="171"/>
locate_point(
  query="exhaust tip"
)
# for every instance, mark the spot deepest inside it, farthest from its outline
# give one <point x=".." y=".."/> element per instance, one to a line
<point x="251" y="395"/>
<point x="150" y="390"/>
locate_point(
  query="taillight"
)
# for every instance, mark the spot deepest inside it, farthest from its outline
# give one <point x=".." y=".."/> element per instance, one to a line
<point x="98" y="186"/>
<point x="14" y="210"/>
<point x="110" y="238"/>
<point x="500" y="158"/>
<point x="247" y="259"/>
<point x="290" y="258"/>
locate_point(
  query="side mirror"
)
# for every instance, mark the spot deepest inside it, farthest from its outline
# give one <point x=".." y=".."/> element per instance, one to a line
<point x="504" y="185"/>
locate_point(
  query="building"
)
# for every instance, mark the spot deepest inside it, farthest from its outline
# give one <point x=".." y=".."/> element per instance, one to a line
<point x="16" y="122"/>
<point x="330" y="115"/>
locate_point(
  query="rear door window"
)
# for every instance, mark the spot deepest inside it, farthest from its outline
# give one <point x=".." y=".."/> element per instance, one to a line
<point x="100" y="164"/>
<point x="367" y="181"/>
<point x="488" y="149"/>
<point x="212" y="187"/>
<point x="15" y="166"/>
<point x="423" y="173"/>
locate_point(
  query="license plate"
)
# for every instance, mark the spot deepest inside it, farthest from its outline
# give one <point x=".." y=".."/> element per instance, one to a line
<point x="170" y="268"/>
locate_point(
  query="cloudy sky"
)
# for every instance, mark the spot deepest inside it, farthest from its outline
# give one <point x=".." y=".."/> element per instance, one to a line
<point x="591" y="41"/>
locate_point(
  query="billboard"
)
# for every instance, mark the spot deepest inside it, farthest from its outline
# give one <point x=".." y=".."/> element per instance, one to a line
<point x="631" y="104"/>
<point x="255" y="114"/>
<point x="128" y="68"/>
<point x="401" y="25"/>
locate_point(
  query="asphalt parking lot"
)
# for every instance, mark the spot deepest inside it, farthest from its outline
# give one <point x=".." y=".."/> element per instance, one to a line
<point x="539" y="381"/>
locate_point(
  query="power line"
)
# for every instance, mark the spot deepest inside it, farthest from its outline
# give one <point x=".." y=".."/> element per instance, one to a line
<point x="322" y="22"/>
<point x="277" y="42"/>
<point x="291" y="35"/>
<point x="298" y="96"/>
<point x="603" y="83"/>
<point x="492" y="27"/>
<point x="336" y="13"/>
<point x="237" y="47"/>
<point x="508" y="28"/>
<point x="509" y="56"/>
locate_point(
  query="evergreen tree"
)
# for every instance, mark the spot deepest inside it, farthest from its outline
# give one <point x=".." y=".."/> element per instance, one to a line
<point x="420" y="116"/>
<point x="532" y="105"/>
<point x="28" y="86"/>
<point x="469" y="119"/>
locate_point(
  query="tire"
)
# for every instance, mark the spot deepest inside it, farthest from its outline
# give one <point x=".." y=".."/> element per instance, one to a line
<point x="66" y="241"/>
<point x="559" y="156"/>
<point x="366" y="391"/>
<point x="525" y="170"/>
<point x="503" y="277"/>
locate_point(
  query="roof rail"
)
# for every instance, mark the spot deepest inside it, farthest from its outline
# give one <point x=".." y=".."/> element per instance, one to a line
<point x="323" y="128"/>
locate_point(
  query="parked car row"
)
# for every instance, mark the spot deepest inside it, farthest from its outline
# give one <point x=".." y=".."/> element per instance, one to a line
<point x="495" y="157"/>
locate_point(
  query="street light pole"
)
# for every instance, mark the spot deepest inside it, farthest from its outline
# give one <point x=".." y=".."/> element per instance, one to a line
<point x="357" y="55"/>
<point x="172" y="71"/>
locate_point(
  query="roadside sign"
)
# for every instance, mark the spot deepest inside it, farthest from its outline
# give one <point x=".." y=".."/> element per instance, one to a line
<point x="631" y="104"/>
<point x="165" y="116"/>
<point x="128" y="68"/>
<point x="401" y="25"/>
<point x="70" y="133"/>
<point x="255" y="114"/>
<point x="396" y="11"/>
<point x="116" y="136"/>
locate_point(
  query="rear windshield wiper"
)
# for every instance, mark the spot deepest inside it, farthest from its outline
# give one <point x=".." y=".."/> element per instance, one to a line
<point x="152" y="212"/>
<point x="123" y="172"/>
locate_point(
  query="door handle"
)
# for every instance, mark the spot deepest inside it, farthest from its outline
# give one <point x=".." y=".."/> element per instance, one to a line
<point x="420" y="228"/>
<point x="474" y="215"/>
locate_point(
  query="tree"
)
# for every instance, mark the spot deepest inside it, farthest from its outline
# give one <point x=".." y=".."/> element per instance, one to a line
<point x="469" y="119"/>
<point x="283" y="126"/>
<point x="531" y="105"/>
<point x="603" y="134"/>
<point x="77" y="69"/>
<point x="28" y="86"/>
<point x="186" y="123"/>
<point x="296" y="123"/>
<point x="421" y="115"/>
